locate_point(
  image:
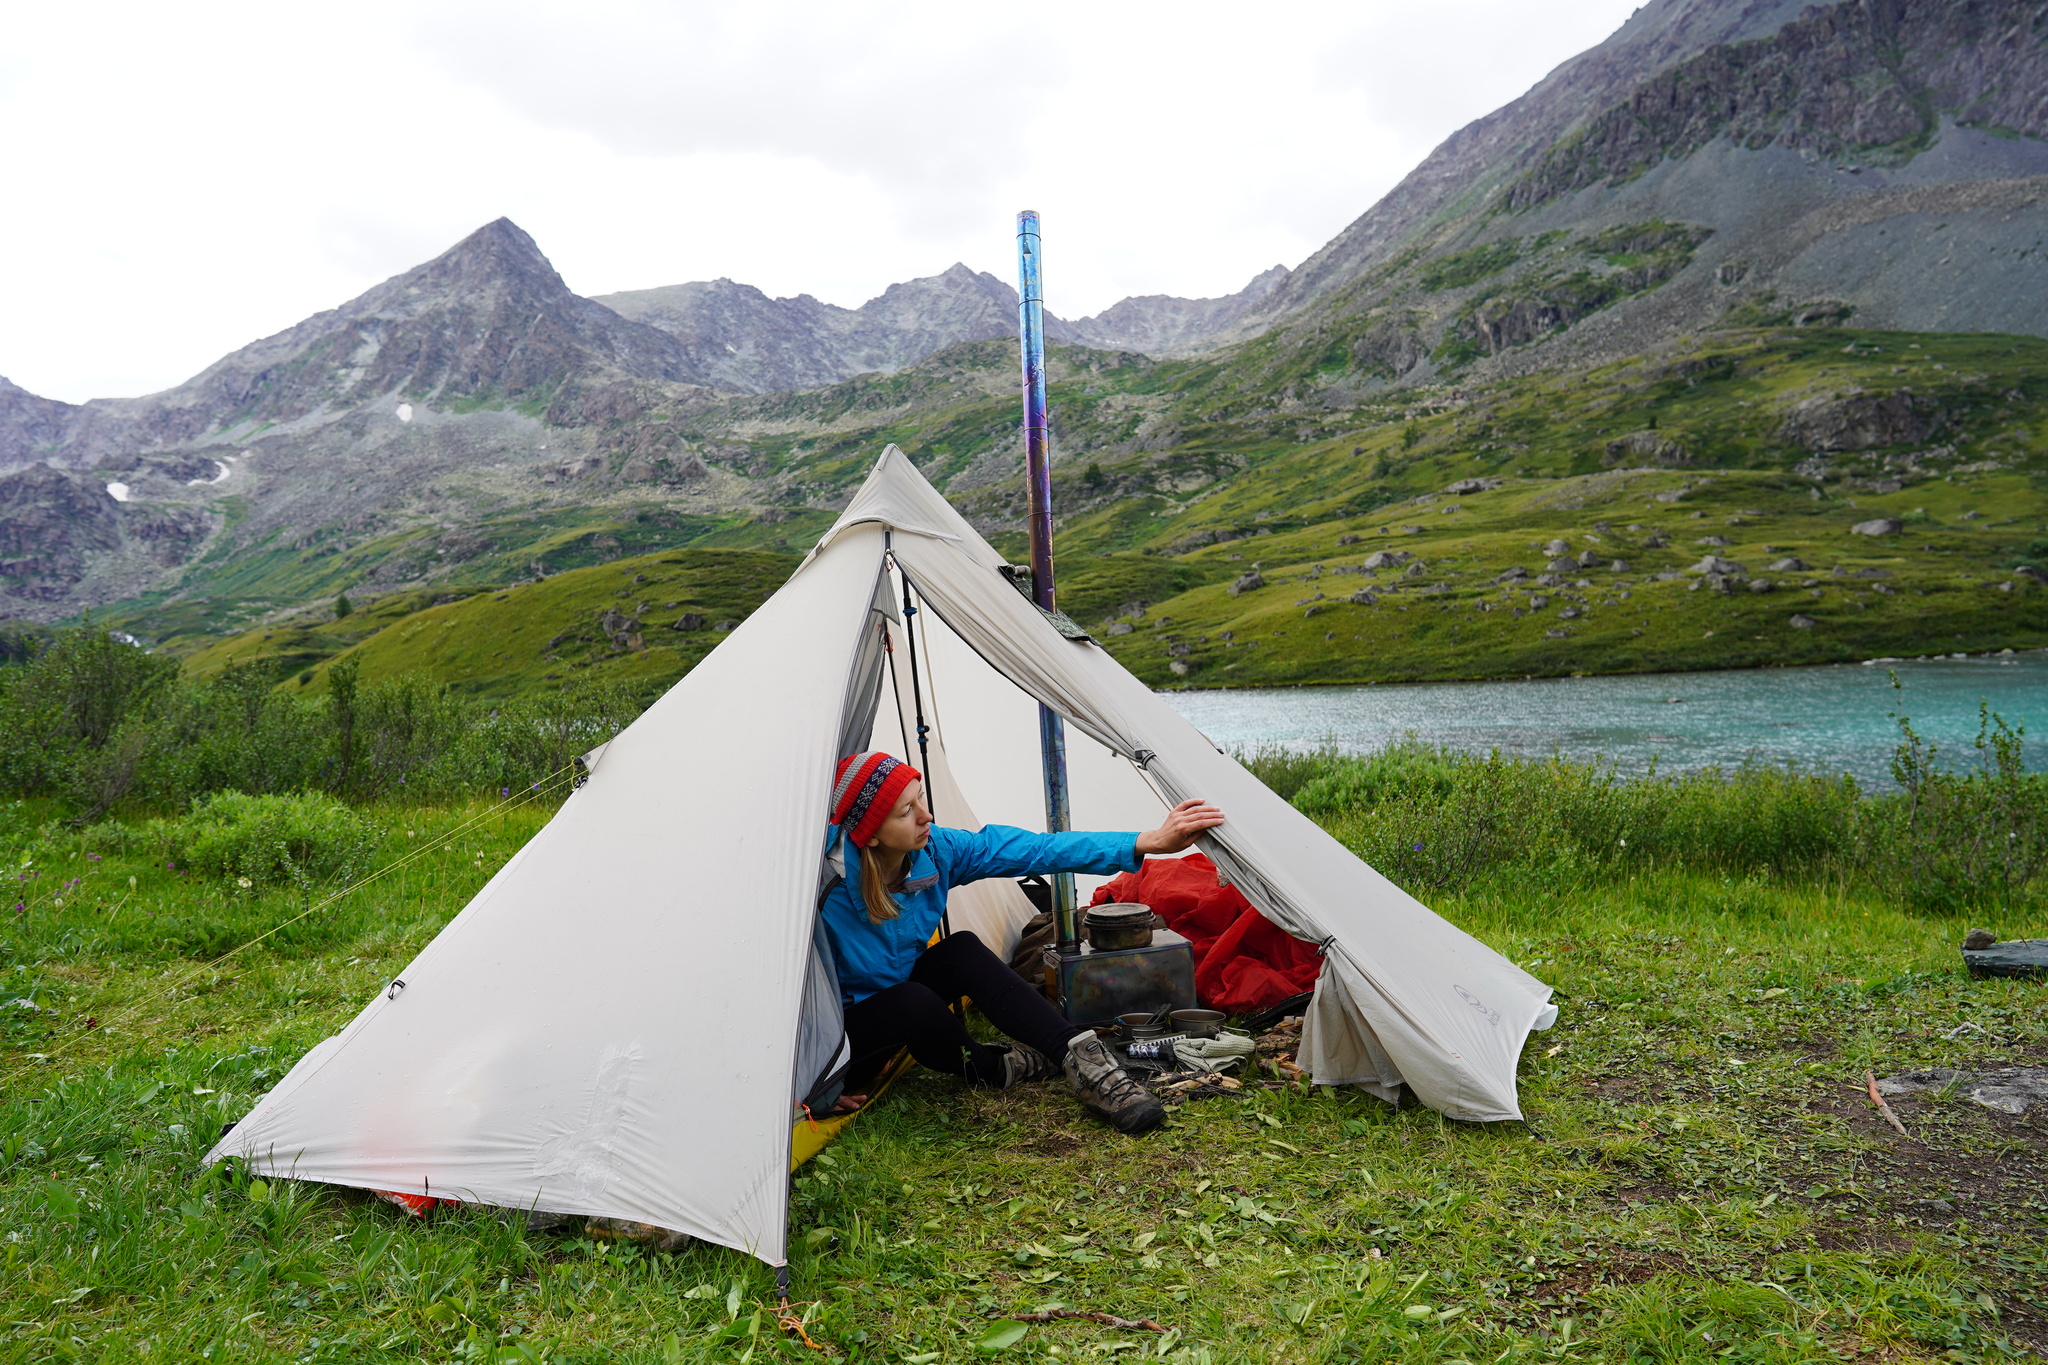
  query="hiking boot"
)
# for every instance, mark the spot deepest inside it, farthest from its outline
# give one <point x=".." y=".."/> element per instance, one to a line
<point x="1104" y="1088"/>
<point x="1022" y="1065"/>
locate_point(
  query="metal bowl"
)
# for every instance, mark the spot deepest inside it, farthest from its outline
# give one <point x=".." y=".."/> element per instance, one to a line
<point x="1131" y="1027"/>
<point x="1199" y="1023"/>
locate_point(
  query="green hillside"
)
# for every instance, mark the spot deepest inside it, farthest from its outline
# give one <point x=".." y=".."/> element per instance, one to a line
<point x="1757" y="446"/>
<point x="640" y="622"/>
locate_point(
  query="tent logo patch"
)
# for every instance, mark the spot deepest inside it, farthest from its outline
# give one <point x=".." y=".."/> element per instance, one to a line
<point x="1492" y="1016"/>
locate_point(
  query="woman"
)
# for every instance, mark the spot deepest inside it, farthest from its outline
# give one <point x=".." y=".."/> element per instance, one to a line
<point x="881" y="913"/>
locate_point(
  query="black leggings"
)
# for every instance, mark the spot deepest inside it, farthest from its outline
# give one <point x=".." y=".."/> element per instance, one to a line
<point x="914" y="1014"/>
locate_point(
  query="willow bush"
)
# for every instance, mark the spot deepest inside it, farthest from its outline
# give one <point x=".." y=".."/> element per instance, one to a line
<point x="95" y="724"/>
<point x="1940" y="838"/>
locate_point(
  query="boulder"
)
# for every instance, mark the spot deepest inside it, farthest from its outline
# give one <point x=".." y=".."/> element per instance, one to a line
<point x="1618" y="566"/>
<point x="1713" y="540"/>
<point x="1513" y="575"/>
<point x="1856" y="420"/>
<point x="1562" y="564"/>
<point x="1247" y="582"/>
<point x="1181" y="668"/>
<point x="689" y="620"/>
<point x="1557" y="547"/>
<point x="2016" y="957"/>
<point x="1977" y="940"/>
<point x="1364" y="597"/>
<point x="1385" y="559"/>
<point x="1801" y="621"/>
<point x="1762" y="585"/>
<point x="1587" y="559"/>
<point x="1714" y="564"/>
<point x="1349" y="540"/>
<point x="2011" y="1089"/>
<point x="1788" y="565"/>
<point x="1646" y="445"/>
<point x="1538" y="603"/>
<point x="1464" y="486"/>
<point x="1122" y="628"/>
<point x="1878" y="526"/>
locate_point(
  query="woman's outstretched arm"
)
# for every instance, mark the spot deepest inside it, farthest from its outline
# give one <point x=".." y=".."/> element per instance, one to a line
<point x="1000" y="851"/>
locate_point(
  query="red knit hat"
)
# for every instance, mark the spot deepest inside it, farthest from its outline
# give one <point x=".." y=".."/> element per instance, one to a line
<point x="865" y="790"/>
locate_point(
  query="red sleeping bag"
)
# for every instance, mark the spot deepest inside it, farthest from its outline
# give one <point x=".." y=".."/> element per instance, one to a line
<point x="1243" y="963"/>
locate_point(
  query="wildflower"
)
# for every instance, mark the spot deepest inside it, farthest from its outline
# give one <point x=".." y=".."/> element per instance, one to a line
<point x="93" y="857"/>
<point x="504" y="791"/>
<point x="244" y="883"/>
<point x="1418" y="847"/>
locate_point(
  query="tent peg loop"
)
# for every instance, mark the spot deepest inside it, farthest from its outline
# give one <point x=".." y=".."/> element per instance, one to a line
<point x="397" y="985"/>
<point x="1143" y="758"/>
<point x="1323" y="948"/>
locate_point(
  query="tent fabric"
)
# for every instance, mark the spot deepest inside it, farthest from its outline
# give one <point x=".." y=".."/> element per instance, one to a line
<point x="539" y="1054"/>
<point x="1243" y="962"/>
<point x="1449" y="1012"/>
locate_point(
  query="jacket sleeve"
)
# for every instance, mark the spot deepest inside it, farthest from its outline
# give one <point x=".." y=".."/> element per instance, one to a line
<point x="1003" y="851"/>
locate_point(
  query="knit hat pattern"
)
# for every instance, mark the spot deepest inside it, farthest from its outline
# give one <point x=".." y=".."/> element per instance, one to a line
<point x="865" y="789"/>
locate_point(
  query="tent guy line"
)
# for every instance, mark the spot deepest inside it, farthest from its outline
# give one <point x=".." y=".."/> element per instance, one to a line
<point x="545" y="786"/>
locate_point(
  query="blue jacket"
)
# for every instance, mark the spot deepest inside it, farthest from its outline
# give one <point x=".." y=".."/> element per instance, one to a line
<point x="874" y="957"/>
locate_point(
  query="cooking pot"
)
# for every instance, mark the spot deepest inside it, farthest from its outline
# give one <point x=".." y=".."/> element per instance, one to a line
<point x="1113" y="926"/>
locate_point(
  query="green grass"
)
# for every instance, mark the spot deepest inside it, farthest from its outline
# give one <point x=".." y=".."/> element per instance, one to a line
<point x="1702" y="1178"/>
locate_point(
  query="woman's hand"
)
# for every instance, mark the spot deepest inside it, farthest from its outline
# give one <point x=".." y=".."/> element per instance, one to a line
<point x="1182" y="824"/>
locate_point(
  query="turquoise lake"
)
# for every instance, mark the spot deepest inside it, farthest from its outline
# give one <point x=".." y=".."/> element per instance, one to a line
<point x="1834" y="719"/>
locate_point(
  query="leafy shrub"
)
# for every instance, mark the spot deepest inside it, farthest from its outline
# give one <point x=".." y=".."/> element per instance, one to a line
<point x="97" y="723"/>
<point x="1438" y="818"/>
<point x="1400" y="770"/>
<point x="299" y="840"/>
<point x="1949" y="840"/>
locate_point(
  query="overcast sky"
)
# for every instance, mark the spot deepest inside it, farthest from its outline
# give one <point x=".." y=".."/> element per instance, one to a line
<point x="183" y="179"/>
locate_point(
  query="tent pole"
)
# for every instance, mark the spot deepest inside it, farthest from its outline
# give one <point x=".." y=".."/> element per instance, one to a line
<point x="1052" y="738"/>
<point x="924" y="752"/>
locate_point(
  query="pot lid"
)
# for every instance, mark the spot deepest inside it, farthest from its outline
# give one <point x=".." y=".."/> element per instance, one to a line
<point x="1113" y="915"/>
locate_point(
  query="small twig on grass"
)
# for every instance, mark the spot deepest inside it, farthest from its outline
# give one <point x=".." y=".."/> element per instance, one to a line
<point x="1106" y="1319"/>
<point x="1870" y="1080"/>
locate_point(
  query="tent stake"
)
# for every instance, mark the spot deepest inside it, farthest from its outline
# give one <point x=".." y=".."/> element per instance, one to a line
<point x="1052" y="737"/>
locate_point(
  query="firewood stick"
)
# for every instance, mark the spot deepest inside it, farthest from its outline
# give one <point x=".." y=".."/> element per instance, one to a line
<point x="1870" y="1080"/>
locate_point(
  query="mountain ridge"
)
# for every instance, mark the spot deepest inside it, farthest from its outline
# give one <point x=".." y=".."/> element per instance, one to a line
<point x="738" y="337"/>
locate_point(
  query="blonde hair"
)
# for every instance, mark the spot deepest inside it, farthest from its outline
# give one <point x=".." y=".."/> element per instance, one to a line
<point x="876" y="879"/>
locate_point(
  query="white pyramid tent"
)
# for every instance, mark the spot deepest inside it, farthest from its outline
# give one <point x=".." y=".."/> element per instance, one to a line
<point x="621" y="1022"/>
